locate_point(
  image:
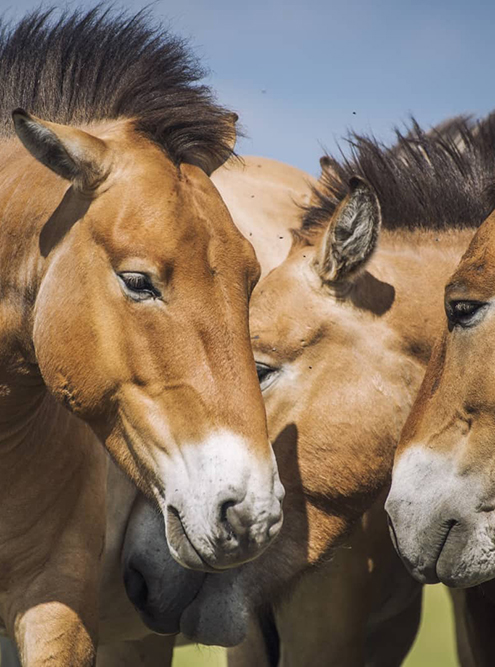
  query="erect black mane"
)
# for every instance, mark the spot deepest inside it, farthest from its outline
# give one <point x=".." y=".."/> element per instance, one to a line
<point x="96" y="65"/>
<point x="437" y="179"/>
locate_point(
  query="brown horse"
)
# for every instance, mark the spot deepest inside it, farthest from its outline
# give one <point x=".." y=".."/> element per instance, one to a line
<point x="124" y="291"/>
<point x="342" y="337"/>
<point x="351" y="604"/>
<point x="265" y="197"/>
<point x="442" y="497"/>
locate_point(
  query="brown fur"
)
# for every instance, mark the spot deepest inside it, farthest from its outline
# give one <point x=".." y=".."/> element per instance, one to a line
<point x="265" y="198"/>
<point x="383" y="305"/>
<point x="78" y="357"/>
<point x="334" y="428"/>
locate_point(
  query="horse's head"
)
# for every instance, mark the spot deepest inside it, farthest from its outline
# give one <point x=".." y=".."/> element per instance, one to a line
<point x="442" y="499"/>
<point x="141" y="329"/>
<point x="330" y="370"/>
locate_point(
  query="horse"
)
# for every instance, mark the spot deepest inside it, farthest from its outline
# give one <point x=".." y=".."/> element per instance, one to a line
<point x="124" y="290"/>
<point x="367" y="569"/>
<point x="342" y="331"/>
<point x="265" y="198"/>
<point x="441" y="500"/>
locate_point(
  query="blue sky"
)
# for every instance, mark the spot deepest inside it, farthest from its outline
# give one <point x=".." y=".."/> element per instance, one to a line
<point x="300" y="74"/>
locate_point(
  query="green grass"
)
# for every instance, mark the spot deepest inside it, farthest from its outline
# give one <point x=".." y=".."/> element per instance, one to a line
<point x="199" y="656"/>
<point x="434" y="646"/>
<point x="435" y="643"/>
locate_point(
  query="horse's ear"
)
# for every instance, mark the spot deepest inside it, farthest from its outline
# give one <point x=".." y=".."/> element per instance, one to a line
<point x="326" y="166"/>
<point x="351" y="237"/>
<point x="329" y="169"/>
<point x="73" y="154"/>
<point x="212" y="160"/>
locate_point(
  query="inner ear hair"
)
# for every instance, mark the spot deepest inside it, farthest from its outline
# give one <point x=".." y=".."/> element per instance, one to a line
<point x="352" y="234"/>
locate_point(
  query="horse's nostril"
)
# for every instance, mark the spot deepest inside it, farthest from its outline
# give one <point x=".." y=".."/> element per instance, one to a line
<point x="230" y="533"/>
<point x="137" y="588"/>
<point x="224" y="508"/>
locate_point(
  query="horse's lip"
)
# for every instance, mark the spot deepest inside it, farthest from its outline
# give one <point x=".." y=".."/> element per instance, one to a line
<point x="425" y="577"/>
<point x="155" y="626"/>
<point x="193" y="600"/>
<point x="451" y="524"/>
<point x="425" y="574"/>
<point x="207" y="567"/>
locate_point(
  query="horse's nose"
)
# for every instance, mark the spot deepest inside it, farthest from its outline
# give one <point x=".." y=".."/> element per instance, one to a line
<point x="224" y="508"/>
<point x="242" y="535"/>
<point x="239" y="533"/>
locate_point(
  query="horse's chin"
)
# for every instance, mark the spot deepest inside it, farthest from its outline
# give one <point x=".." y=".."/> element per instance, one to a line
<point x="219" y="614"/>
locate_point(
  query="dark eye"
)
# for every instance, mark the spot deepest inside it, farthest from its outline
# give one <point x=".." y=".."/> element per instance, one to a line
<point x="138" y="286"/>
<point x="266" y="374"/>
<point x="465" y="313"/>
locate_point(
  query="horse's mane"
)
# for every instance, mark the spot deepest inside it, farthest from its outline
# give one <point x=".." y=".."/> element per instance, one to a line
<point x="437" y="179"/>
<point x="97" y="65"/>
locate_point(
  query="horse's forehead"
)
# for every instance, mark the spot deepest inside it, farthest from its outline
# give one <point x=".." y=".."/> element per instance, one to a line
<point x="152" y="186"/>
<point x="167" y="212"/>
<point x="291" y="312"/>
<point x="282" y="301"/>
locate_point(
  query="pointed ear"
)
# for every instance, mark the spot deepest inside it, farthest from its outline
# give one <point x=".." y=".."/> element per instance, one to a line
<point x="329" y="171"/>
<point x="351" y="237"/>
<point x="326" y="165"/>
<point x="73" y="154"/>
<point x="211" y="161"/>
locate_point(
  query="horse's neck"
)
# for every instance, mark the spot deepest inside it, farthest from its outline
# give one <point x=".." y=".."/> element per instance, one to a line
<point x="33" y="425"/>
<point x="47" y="454"/>
<point x="23" y="212"/>
<point x="418" y="265"/>
<point x="42" y="441"/>
<point x="29" y="194"/>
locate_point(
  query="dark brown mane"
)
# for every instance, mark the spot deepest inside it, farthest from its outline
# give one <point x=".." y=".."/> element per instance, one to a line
<point x="96" y="65"/>
<point x="437" y="179"/>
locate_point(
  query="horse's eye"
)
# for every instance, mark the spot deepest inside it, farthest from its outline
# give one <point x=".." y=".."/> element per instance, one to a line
<point x="266" y="375"/>
<point x="465" y="313"/>
<point x="138" y="286"/>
